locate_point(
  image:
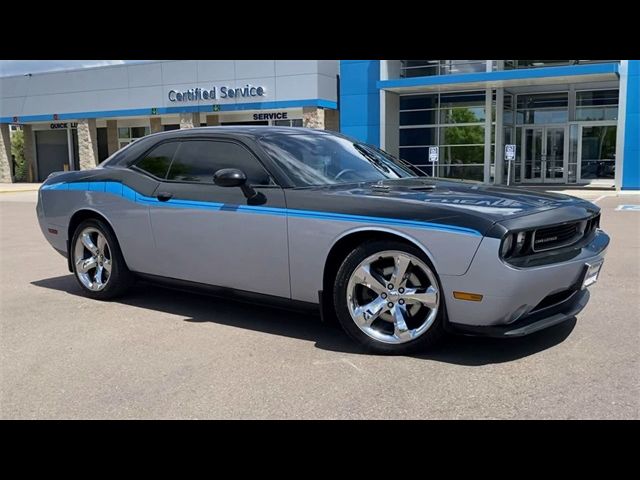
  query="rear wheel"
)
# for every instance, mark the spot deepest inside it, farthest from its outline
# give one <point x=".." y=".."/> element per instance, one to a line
<point x="97" y="261"/>
<point x="388" y="298"/>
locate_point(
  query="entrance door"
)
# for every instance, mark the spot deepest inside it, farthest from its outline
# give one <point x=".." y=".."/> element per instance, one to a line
<point x="544" y="154"/>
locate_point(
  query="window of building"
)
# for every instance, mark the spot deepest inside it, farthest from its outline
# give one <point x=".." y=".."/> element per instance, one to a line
<point x="594" y="105"/>
<point x="453" y="121"/>
<point x="197" y="161"/>
<point x="518" y="64"/>
<point x="127" y="135"/>
<point x="542" y="108"/>
<point x="158" y="160"/>
<point x="175" y="126"/>
<point x="425" y="68"/>
<point x="598" y="158"/>
<point x="297" y="122"/>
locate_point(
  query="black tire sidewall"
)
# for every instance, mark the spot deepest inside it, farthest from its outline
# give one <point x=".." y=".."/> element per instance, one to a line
<point x="120" y="277"/>
<point x="349" y="264"/>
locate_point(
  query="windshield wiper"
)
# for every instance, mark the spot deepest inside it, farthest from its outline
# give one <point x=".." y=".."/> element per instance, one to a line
<point x="365" y="150"/>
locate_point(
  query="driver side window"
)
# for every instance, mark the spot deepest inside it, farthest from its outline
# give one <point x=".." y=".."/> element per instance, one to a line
<point x="198" y="160"/>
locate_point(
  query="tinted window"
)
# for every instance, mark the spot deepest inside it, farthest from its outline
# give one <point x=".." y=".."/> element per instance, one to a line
<point x="197" y="161"/>
<point x="157" y="161"/>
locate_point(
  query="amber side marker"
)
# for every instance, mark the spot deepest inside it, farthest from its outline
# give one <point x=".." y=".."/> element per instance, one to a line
<point x="472" y="297"/>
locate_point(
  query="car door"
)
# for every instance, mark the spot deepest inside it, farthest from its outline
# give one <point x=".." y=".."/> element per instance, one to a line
<point x="210" y="234"/>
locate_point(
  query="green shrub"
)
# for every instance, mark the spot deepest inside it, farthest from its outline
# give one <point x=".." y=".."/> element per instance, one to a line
<point x="17" y="150"/>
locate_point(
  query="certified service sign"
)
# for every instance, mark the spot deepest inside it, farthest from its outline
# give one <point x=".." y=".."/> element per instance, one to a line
<point x="216" y="92"/>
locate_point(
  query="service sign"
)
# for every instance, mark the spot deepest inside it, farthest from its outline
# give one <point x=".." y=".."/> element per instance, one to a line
<point x="509" y="152"/>
<point x="434" y="154"/>
<point x="217" y="92"/>
<point x="64" y="125"/>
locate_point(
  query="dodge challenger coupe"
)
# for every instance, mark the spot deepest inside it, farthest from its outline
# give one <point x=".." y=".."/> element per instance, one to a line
<point x="314" y="219"/>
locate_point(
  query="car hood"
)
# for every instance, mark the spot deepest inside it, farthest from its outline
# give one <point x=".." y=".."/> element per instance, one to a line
<point x="465" y="197"/>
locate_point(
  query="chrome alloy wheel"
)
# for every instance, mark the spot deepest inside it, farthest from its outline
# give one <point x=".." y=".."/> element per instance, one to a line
<point x="92" y="258"/>
<point x="393" y="297"/>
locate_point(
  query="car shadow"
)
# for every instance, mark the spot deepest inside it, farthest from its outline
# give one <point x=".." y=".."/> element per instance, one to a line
<point x="197" y="308"/>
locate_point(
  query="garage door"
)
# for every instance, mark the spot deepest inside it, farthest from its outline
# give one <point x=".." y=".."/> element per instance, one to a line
<point x="52" y="152"/>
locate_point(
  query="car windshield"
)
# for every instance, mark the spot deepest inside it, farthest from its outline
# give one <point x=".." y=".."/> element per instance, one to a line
<point x="311" y="160"/>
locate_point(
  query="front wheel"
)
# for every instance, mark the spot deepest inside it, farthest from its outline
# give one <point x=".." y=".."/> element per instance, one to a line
<point x="388" y="298"/>
<point x="98" y="264"/>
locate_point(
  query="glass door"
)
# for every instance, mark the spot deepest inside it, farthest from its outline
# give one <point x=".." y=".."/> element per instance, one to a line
<point x="554" y="157"/>
<point x="532" y="149"/>
<point x="544" y="154"/>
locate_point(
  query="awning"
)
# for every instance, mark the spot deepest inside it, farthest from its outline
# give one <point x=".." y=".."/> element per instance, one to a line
<point x="596" y="72"/>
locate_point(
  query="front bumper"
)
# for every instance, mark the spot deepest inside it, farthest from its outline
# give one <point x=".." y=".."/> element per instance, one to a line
<point x="519" y="301"/>
<point x="530" y="323"/>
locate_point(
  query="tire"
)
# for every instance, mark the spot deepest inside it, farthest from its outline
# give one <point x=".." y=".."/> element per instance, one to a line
<point x="419" y="310"/>
<point x="112" y="283"/>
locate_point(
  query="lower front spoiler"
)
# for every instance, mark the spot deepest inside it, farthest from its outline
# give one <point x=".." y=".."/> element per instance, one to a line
<point x="531" y="323"/>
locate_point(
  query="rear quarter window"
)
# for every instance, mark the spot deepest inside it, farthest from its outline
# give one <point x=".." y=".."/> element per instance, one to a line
<point x="158" y="160"/>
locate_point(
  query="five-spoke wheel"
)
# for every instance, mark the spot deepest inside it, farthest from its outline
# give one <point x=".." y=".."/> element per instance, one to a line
<point x="97" y="260"/>
<point x="92" y="258"/>
<point x="387" y="296"/>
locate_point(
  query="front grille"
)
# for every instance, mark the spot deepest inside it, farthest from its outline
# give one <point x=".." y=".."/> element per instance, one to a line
<point x="555" y="237"/>
<point x="563" y="235"/>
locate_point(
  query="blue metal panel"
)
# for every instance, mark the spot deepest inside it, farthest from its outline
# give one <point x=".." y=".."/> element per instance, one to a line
<point x="631" y="165"/>
<point x="359" y="100"/>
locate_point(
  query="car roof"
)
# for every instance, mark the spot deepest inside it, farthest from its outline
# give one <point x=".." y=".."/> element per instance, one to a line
<point x="245" y="130"/>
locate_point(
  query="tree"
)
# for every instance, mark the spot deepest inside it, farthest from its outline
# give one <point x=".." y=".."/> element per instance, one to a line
<point x="17" y="150"/>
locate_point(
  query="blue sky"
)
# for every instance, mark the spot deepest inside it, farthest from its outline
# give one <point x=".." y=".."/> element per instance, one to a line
<point x="22" y="67"/>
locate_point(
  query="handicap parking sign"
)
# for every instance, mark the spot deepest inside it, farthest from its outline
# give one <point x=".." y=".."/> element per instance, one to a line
<point x="509" y="152"/>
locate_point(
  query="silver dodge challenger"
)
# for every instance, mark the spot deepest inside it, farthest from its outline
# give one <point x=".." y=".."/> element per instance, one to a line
<point x="311" y="219"/>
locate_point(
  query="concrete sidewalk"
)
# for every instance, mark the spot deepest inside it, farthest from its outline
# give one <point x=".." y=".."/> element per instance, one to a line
<point x="19" y="187"/>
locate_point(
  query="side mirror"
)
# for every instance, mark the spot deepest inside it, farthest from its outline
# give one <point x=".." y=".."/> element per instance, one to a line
<point x="229" y="177"/>
<point x="232" y="177"/>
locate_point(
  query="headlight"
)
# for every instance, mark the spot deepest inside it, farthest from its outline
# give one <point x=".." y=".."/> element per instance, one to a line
<point x="520" y="241"/>
<point x="507" y="243"/>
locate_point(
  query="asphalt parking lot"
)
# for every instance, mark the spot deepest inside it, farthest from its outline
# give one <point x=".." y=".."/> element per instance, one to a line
<point x="163" y="354"/>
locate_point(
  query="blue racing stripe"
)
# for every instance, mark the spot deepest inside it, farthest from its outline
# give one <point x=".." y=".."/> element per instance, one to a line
<point x="123" y="191"/>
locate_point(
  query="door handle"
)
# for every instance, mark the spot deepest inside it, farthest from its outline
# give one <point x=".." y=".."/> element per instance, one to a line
<point x="164" y="196"/>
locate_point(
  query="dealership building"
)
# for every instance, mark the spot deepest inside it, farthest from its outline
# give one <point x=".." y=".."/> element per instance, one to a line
<point x="74" y="119"/>
<point x="564" y="121"/>
<point x="522" y="122"/>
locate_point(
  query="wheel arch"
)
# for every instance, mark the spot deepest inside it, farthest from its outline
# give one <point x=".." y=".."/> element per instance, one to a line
<point x="76" y="219"/>
<point x="345" y="243"/>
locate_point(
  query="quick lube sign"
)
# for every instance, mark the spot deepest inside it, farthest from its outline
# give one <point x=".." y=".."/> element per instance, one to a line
<point x="215" y="93"/>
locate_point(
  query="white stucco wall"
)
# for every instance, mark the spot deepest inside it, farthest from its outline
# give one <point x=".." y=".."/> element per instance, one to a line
<point x="124" y="87"/>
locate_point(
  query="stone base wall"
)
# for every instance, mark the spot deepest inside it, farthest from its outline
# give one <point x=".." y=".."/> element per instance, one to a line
<point x="87" y="143"/>
<point x="313" y="117"/>
<point x="189" y="120"/>
<point x="213" y="120"/>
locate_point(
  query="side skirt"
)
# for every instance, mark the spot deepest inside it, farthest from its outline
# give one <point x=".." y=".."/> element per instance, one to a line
<point x="231" y="294"/>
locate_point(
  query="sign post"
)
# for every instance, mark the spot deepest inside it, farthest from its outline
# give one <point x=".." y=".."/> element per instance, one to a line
<point x="434" y="156"/>
<point x="509" y="156"/>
